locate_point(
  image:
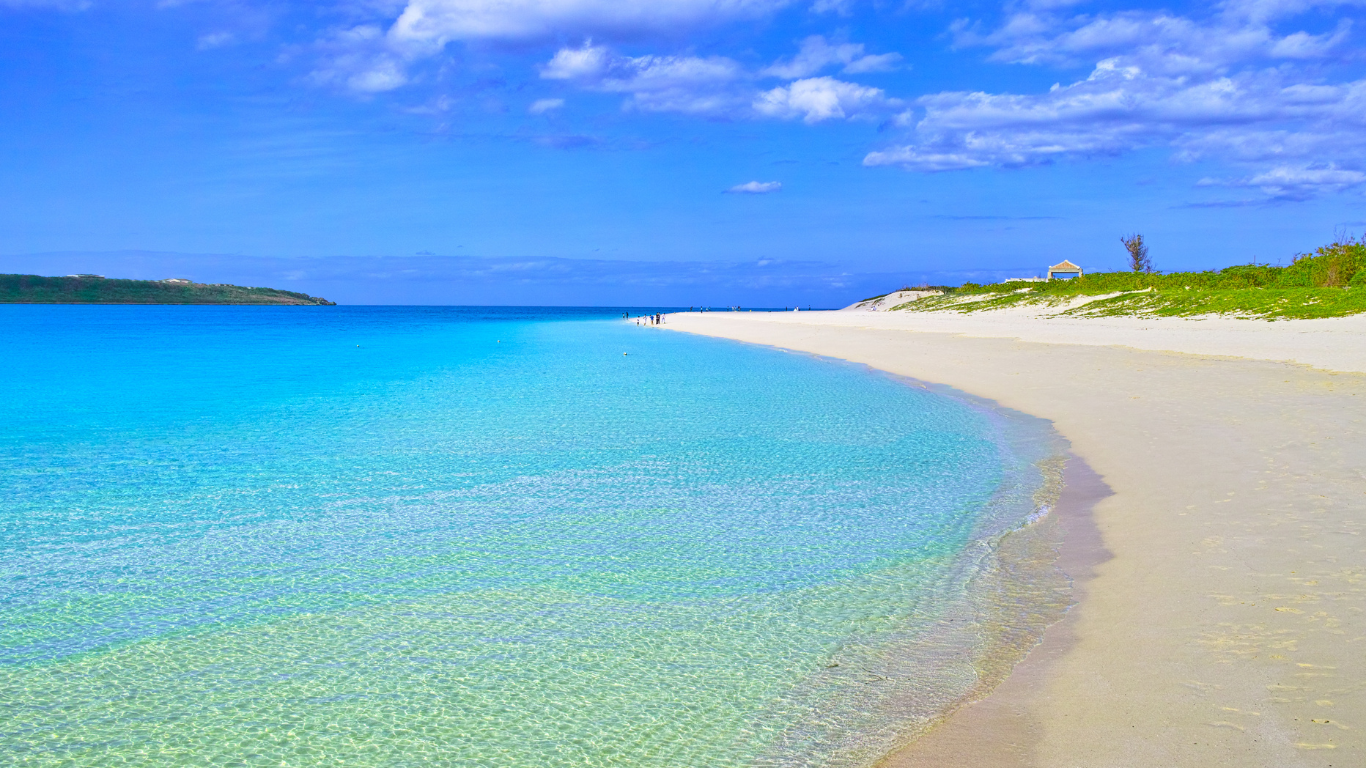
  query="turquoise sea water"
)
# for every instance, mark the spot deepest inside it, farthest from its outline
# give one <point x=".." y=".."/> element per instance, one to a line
<point x="427" y="536"/>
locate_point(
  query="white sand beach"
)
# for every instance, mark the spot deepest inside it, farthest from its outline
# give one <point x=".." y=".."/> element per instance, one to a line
<point x="1222" y="612"/>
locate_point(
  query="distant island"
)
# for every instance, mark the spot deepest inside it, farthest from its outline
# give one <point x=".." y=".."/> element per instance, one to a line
<point x="97" y="289"/>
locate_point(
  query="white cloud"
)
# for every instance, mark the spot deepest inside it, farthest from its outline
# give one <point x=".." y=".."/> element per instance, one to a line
<point x="885" y="62"/>
<point x="425" y="27"/>
<point x="385" y="75"/>
<point x="587" y="62"/>
<point x="817" y="54"/>
<point x="1159" y="42"/>
<point x="712" y="86"/>
<point x="1230" y="88"/>
<point x="541" y="106"/>
<point x="1302" y="45"/>
<point x="841" y="7"/>
<point x="1264" y="11"/>
<point x="360" y="59"/>
<point x="433" y="23"/>
<point x="756" y="188"/>
<point x="822" y="98"/>
<point x="1298" y="182"/>
<point x="689" y="84"/>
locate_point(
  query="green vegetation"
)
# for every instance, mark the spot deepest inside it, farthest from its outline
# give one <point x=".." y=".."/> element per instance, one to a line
<point x="90" y="289"/>
<point x="922" y="287"/>
<point x="1331" y="282"/>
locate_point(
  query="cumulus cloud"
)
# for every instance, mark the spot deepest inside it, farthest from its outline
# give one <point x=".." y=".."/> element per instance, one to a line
<point x="1230" y="88"/>
<point x="755" y="188"/>
<point x="714" y="86"/>
<point x="816" y="54"/>
<point x="368" y="58"/>
<point x="584" y="63"/>
<point x="822" y="98"/>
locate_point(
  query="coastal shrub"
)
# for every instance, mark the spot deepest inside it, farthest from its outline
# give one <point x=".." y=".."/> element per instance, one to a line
<point x="1138" y="253"/>
<point x="1265" y="303"/>
<point x="1325" y="283"/>
<point x="1331" y="266"/>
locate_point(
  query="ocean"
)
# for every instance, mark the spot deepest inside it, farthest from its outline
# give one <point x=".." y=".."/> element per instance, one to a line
<point x="403" y="536"/>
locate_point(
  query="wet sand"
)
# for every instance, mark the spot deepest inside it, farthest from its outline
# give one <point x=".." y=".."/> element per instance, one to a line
<point x="1222" y="613"/>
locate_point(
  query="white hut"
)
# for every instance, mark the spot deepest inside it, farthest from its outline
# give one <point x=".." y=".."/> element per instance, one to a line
<point x="1064" y="271"/>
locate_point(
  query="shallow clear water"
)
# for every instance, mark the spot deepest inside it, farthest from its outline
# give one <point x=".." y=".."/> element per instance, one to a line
<point x="414" y="536"/>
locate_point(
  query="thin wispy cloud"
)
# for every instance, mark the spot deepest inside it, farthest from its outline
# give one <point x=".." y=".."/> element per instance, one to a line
<point x="988" y="217"/>
<point x="1296" y="182"/>
<point x="542" y="106"/>
<point x="689" y="84"/>
<point x="213" y="40"/>
<point x="817" y="54"/>
<point x="755" y="188"/>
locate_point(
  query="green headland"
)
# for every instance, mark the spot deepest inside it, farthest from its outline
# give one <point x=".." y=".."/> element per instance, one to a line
<point x="1330" y="282"/>
<point x="95" y="289"/>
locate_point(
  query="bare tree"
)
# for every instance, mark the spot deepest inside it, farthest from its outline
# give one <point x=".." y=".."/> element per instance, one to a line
<point x="1138" y="253"/>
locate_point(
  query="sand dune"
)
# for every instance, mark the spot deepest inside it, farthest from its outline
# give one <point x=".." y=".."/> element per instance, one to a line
<point x="1225" y="624"/>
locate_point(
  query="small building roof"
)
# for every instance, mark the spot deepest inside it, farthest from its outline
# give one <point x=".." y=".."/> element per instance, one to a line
<point x="1065" y="266"/>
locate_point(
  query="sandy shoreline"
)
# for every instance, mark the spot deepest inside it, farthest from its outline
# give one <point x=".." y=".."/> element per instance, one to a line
<point x="1228" y="626"/>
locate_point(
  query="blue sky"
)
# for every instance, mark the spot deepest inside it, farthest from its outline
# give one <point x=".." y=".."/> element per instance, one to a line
<point x="759" y="152"/>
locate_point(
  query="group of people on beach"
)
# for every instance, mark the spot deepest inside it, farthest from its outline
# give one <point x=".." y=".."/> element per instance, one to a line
<point x="655" y="319"/>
